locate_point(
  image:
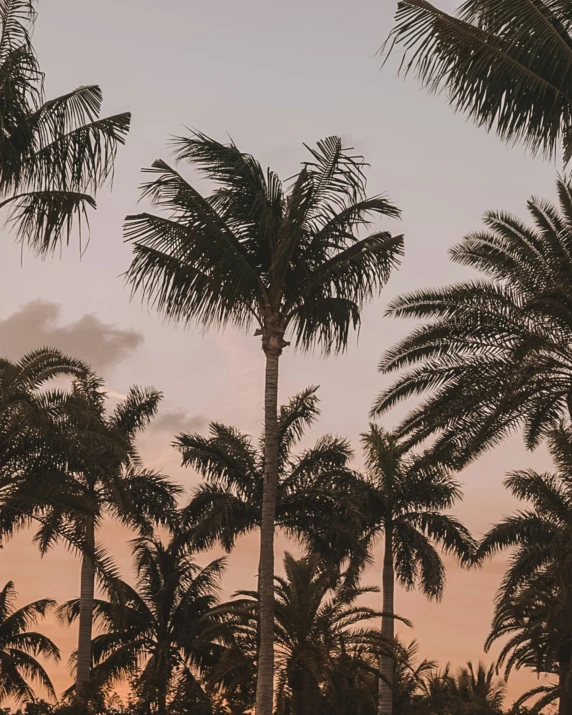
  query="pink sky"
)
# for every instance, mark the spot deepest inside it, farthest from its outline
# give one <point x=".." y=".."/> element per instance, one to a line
<point x="272" y="75"/>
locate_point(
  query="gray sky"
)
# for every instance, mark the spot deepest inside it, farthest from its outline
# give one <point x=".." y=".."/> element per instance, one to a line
<point x="271" y="75"/>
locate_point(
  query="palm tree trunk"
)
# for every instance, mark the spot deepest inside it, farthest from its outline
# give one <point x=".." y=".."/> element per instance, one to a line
<point x="386" y="662"/>
<point x="313" y="695"/>
<point x="297" y="692"/>
<point x="85" y="614"/>
<point x="162" y="700"/>
<point x="265" y="669"/>
<point x="305" y="693"/>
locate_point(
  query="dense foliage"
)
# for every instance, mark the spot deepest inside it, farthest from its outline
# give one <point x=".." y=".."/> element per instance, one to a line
<point x="299" y="260"/>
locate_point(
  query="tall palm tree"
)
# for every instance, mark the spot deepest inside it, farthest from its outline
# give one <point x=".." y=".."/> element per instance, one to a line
<point x="496" y="352"/>
<point x="166" y="630"/>
<point x="536" y="593"/>
<point x="99" y="474"/>
<point x="288" y="260"/>
<point x="504" y="63"/>
<point x="19" y="647"/>
<point x="54" y="154"/>
<point x="314" y="488"/>
<point x="404" y="496"/>
<point x="319" y="629"/>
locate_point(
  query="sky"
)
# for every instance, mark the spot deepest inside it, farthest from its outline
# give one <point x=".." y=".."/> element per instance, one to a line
<point x="272" y="76"/>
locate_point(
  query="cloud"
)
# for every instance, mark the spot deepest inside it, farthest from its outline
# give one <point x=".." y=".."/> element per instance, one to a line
<point x="37" y="324"/>
<point x="179" y="420"/>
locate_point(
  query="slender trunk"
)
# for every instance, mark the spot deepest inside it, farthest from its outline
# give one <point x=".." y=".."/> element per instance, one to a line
<point x="162" y="700"/>
<point x="306" y="695"/>
<point x="85" y="615"/>
<point x="265" y="670"/>
<point x="297" y="691"/>
<point x="313" y="695"/>
<point x="386" y="662"/>
<point x="565" y="686"/>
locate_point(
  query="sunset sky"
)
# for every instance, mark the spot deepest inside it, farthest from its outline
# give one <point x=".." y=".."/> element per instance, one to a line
<point x="272" y="76"/>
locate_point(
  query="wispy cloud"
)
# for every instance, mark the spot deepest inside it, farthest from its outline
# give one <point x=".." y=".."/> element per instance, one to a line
<point x="178" y="420"/>
<point x="38" y="324"/>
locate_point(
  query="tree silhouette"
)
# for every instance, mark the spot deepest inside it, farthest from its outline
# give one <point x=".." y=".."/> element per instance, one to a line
<point x="288" y="260"/>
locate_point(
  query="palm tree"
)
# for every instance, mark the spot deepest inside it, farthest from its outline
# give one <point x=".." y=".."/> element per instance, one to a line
<point x="19" y="647"/>
<point x="504" y="63"/>
<point x="165" y="631"/>
<point x="404" y="496"/>
<point x="253" y="252"/>
<point x="54" y="154"/>
<point x="355" y="686"/>
<point x="476" y="690"/>
<point x="314" y="489"/>
<point x="31" y="411"/>
<point x="317" y="641"/>
<point x="470" y="691"/>
<point x="410" y="679"/>
<point x="433" y="693"/>
<point x="535" y="618"/>
<point x="98" y="473"/>
<point x="535" y="599"/>
<point x="355" y="690"/>
<point x="496" y="354"/>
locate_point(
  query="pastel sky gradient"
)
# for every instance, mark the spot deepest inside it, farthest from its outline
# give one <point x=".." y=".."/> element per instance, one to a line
<point x="272" y="75"/>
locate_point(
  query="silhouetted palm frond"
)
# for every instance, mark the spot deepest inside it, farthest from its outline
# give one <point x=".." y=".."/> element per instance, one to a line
<point x="494" y="356"/>
<point x="504" y="63"/>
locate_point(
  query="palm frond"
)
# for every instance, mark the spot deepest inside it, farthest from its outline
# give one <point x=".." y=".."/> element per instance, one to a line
<point x="137" y="410"/>
<point x="199" y="238"/>
<point x="503" y="64"/>
<point x="44" y="218"/>
<point x="492" y="355"/>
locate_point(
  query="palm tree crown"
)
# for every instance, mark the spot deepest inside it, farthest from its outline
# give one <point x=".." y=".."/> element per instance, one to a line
<point x="404" y="497"/>
<point x="497" y="352"/>
<point x="505" y="63"/>
<point x="32" y="412"/>
<point x="410" y="680"/>
<point x="534" y="603"/>
<point x="287" y="259"/>
<point x="100" y="471"/>
<point x="314" y="488"/>
<point x="321" y="633"/>
<point x="167" y="624"/>
<point x="476" y="689"/>
<point x="19" y="647"/>
<point x="54" y="154"/>
<point x="471" y="689"/>
<point x="542" y="533"/>
<point x="533" y="620"/>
